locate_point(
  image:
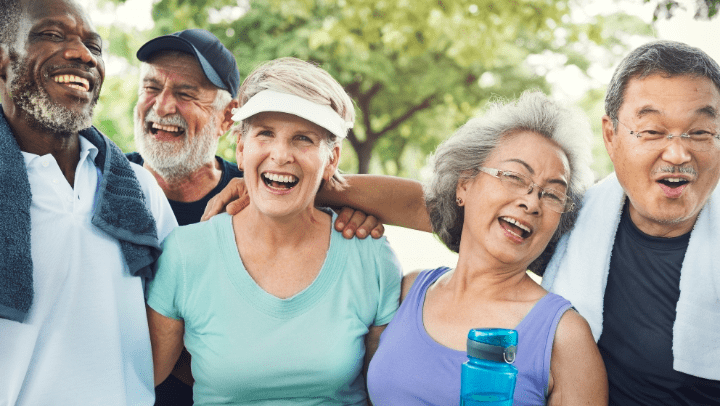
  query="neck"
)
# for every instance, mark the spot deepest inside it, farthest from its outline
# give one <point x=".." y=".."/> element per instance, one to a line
<point x="480" y="279"/>
<point x="193" y="187"/>
<point x="656" y="228"/>
<point x="31" y="138"/>
<point x="273" y="233"/>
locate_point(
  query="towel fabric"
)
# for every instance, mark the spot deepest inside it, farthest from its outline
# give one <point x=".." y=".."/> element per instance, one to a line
<point x="579" y="270"/>
<point x="119" y="210"/>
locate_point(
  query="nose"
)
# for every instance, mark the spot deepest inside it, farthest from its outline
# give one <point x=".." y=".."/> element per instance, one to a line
<point x="165" y="103"/>
<point x="676" y="152"/>
<point x="77" y="51"/>
<point x="530" y="201"/>
<point x="281" y="152"/>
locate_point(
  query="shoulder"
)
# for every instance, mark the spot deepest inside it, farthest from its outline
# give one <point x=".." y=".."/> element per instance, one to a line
<point x="425" y="277"/>
<point x="407" y="282"/>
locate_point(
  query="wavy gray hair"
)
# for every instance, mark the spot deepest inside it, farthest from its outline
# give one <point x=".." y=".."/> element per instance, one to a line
<point x="460" y="156"/>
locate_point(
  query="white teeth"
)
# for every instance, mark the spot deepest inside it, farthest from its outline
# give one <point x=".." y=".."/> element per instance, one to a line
<point x="516" y="223"/>
<point x="75" y="82"/>
<point x="673" y="179"/>
<point x="280" y="178"/>
<point x="168" y="128"/>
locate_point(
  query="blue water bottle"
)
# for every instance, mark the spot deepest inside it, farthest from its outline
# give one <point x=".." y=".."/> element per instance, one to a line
<point x="488" y="378"/>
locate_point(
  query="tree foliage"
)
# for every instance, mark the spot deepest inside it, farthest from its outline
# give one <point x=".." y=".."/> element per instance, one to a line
<point x="416" y="70"/>
<point x="704" y="9"/>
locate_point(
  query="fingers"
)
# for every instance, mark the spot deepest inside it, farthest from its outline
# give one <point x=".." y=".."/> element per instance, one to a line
<point x="356" y="223"/>
<point x="343" y="220"/>
<point x="377" y="231"/>
<point x="233" y="191"/>
<point x="238" y="205"/>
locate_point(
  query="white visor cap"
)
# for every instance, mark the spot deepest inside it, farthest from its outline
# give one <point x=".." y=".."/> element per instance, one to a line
<point x="270" y="100"/>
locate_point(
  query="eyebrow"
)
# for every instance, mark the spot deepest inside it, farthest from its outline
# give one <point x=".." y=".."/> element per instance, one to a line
<point x="532" y="172"/>
<point x="51" y="22"/>
<point x="181" y="86"/>
<point x="707" y="111"/>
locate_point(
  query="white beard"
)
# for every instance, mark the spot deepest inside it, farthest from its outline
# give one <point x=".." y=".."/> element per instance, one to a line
<point x="175" y="161"/>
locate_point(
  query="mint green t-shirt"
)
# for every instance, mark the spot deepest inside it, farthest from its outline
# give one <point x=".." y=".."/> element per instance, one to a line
<point x="249" y="347"/>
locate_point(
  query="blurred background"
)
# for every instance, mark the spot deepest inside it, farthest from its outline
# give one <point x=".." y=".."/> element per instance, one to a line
<point x="416" y="69"/>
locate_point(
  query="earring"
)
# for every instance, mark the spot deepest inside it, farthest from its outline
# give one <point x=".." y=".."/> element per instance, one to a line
<point x="459" y="201"/>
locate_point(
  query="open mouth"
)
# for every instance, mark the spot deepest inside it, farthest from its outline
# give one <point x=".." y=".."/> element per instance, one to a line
<point x="173" y="130"/>
<point x="674" y="182"/>
<point x="73" y="82"/>
<point x="277" y="181"/>
<point x="515" y="227"/>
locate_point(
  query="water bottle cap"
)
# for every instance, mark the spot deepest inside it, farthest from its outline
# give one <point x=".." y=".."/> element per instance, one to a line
<point x="494" y="344"/>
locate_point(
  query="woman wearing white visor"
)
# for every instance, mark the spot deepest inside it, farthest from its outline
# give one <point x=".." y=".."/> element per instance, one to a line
<point x="275" y="307"/>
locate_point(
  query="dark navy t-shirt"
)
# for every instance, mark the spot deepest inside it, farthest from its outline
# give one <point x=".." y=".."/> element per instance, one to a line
<point x="642" y="292"/>
<point x="190" y="213"/>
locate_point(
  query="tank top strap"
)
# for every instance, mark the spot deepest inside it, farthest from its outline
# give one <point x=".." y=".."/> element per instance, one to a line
<point x="416" y="294"/>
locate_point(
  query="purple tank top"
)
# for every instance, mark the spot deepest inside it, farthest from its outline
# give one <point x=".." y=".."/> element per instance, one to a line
<point x="410" y="368"/>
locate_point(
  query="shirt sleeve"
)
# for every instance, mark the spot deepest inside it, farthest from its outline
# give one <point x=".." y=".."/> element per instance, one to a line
<point x="389" y="274"/>
<point x="166" y="289"/>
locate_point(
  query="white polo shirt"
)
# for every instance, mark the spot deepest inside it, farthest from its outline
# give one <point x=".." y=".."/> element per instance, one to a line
<point x="85" y="340"/>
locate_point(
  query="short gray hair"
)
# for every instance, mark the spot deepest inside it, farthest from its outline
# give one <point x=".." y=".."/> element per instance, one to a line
<point x="459" y="157"/>
<point x="10" y="13"/>
<point x="669" y="58"/>
<point x="299" y="78"/>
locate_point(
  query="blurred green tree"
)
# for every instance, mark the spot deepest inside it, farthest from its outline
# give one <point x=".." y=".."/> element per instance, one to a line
<point x="415" y="69"/>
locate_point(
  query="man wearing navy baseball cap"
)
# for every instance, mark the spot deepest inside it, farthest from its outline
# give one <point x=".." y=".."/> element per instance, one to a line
<point x="189" y="81"/>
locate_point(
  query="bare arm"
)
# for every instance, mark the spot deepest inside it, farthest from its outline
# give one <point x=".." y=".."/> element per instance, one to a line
<point x="577" y="372"/>
<point x="233" y="198"/>
<point x="166" y="338"/>
<point x="392" y="200"/>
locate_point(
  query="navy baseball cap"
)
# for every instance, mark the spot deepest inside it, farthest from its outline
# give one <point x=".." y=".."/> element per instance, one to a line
<point x="216" y="61"/>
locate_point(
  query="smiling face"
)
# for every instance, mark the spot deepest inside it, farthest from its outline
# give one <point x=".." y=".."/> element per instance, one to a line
<point x="177" y="124"/>
<point x="284" y="159"/>
<point x="668" y="187"/>
<point x="56" y="67"/>
<point x="509" y="227"/>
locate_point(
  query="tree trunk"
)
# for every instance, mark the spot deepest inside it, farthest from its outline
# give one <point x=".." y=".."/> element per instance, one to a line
<point x="364" y="153"/>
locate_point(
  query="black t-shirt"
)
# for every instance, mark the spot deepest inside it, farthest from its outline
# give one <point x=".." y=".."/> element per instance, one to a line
<point x="190" y="213"/>
<point x="641" y="297"/>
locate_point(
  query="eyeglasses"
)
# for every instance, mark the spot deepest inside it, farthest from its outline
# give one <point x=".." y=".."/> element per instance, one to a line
<point x="554" y="200"/>
<point x="658" y="137"/>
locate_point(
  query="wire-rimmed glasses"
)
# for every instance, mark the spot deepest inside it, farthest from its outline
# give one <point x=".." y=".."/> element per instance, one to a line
<point x="553" y="199"/>
<point x="657" y="137"/>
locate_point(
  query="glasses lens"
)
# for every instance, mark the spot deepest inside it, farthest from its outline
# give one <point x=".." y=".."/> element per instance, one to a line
<point x="554" y="200"/>
<point x="659" y="138"/>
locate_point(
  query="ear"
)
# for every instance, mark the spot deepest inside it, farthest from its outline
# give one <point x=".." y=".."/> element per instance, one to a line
<point x="4" y="62"/>
<point x="609" y="137"/>
<point x="239" y="152"/>
<point x="461" y="190"/>
<point x="227" y="116"/>
<point x="333" y="163"/>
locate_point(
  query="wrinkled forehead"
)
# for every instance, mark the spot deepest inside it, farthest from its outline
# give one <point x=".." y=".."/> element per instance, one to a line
<point x="63" y="12"/>
<point x="671" y="97"/>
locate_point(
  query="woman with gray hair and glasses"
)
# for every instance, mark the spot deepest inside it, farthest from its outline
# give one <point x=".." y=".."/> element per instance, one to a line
<point x="505" y="187"/>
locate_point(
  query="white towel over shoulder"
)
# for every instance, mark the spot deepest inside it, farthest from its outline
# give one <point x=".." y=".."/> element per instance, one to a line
<point x="579" y="269"/>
